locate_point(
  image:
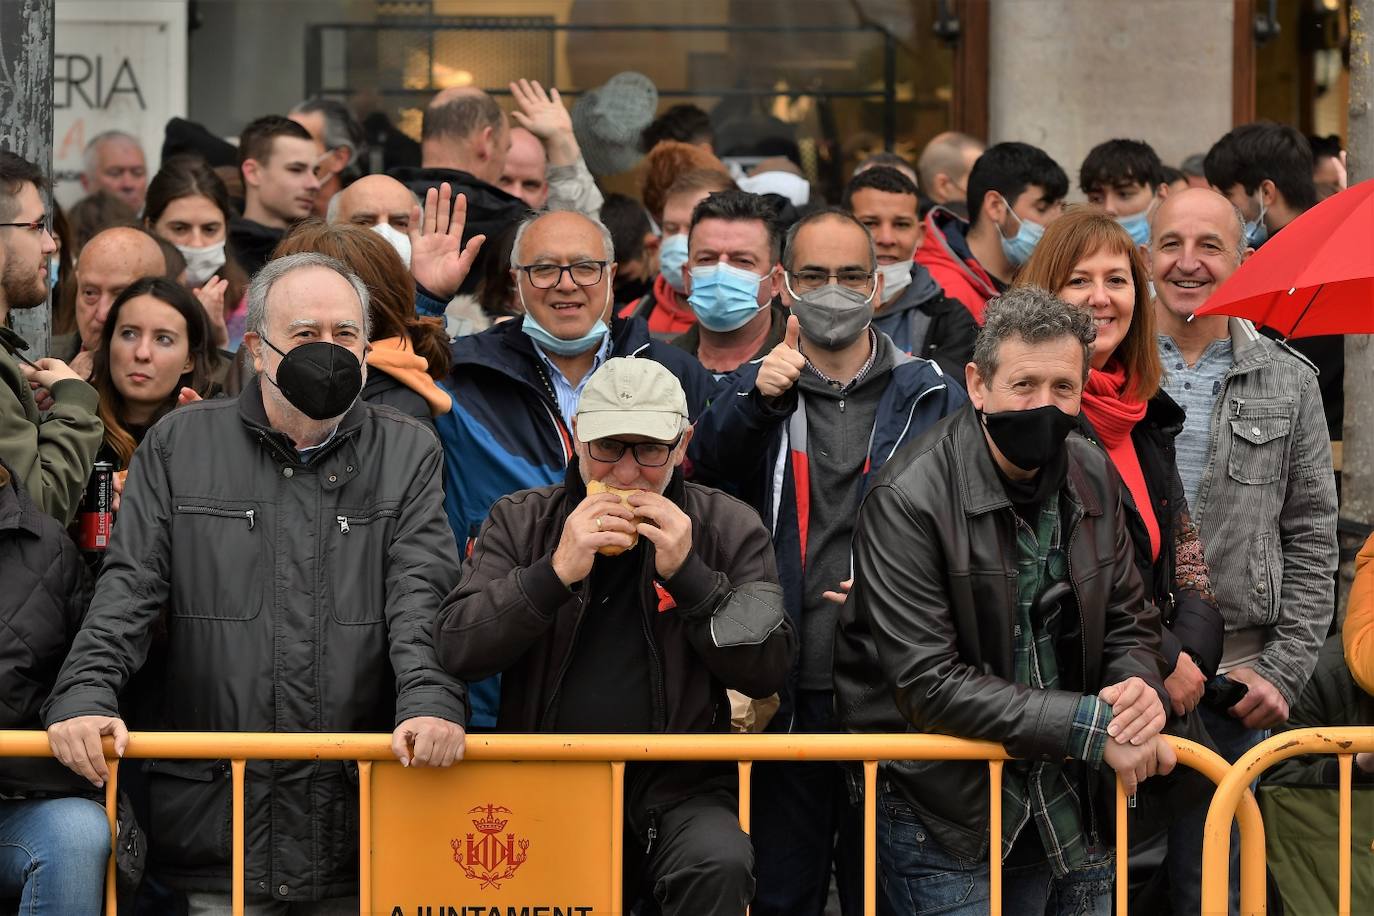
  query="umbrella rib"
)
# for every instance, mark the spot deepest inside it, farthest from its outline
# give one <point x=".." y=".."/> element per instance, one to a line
<point x="1294" y="329"/>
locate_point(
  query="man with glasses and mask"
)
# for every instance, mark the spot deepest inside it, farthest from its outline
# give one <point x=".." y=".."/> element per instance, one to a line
<point x="807" y="426"/>
<point x="50" y="455"/>
<point x="631" y="610"/>
<point x="516" y="386"/>
<point x="996" y="598"/>
<point x="292" y="545"/>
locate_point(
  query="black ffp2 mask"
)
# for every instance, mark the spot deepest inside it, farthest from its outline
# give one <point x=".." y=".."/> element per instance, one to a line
<point x="320" y="379"/>
<point x="1029" y="439"/>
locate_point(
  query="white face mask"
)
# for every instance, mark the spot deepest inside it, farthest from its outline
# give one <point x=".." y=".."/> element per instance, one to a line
<point x="201" y="263"/>
<point x="896" y="277"/>
<point x="396" y="239"/>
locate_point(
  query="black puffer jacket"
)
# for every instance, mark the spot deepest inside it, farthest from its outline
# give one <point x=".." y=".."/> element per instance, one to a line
<point x="299" y="597"/>
<point x="40" y="611"/>
<point x="924" y="643"/>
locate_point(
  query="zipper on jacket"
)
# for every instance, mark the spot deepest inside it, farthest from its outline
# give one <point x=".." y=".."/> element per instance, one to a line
<point x="652" y="833"/>
<point x="660" y="692"/>
<point x="343" y="523"/>
<point x="567" y="659"/>
<point x="249" y="514"/>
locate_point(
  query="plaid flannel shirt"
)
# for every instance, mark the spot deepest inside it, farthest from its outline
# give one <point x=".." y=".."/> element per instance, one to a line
<point x="1043" y="791"/>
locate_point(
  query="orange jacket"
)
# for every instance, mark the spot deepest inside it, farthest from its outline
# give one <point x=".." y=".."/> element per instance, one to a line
<point x="1359" y="620"/>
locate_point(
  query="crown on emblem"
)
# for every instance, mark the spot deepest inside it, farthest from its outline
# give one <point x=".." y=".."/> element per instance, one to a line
<point x="490" y="822"/>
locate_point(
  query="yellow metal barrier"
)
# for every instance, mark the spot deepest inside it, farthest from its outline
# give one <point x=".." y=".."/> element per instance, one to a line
<point x="616" y="751"/>
<point x="1345" y="742"/>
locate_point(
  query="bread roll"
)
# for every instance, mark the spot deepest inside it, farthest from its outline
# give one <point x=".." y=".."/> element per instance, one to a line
<point x="595" y="487"/>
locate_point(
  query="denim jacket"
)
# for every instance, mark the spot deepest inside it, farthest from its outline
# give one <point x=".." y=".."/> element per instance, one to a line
<point x="1266" y="507"/>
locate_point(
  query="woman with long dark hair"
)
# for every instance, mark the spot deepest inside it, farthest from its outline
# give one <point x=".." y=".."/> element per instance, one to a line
<point x="188" y="205"/>
<point x="155" y="345"/>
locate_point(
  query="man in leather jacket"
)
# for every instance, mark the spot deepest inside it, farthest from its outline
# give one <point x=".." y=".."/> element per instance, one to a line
<point x="995" y="597"/>
<point x="630" y="614"/>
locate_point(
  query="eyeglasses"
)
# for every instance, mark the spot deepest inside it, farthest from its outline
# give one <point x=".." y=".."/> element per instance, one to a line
<point x="38" y="225"/>
<point x="547" y="276"/>
<point x="809" y="280"/>
<point x="647" y="454"/>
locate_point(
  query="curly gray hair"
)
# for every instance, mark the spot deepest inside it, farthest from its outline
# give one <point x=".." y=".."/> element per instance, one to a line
<point x="1035" y="316"/>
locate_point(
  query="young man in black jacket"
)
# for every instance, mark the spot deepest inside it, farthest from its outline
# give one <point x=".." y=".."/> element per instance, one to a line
<point x="632" y="613"/>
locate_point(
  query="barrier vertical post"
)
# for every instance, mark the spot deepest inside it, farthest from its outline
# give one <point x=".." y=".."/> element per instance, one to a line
<point x="236" y="898"/>
<point x="617" y="834"/>
<point x="1123" y="867"/>
<point x="364" y="837"/>
<point x="870" y="837"/>
<point x="995" y="837"/>
<point x="112" y="814"/>
<point x="746" y="769"/>
<point x="1343" y="887"/>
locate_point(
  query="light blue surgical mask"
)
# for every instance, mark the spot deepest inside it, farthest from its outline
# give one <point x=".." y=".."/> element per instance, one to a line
<point x="1018" y="248"/>
<point x="672" y="254"/>
<point x="725" y="297"/>
<point x="1256" y="232"/>
<point x="1137" y="226"/>
<point x="540" y="335"/>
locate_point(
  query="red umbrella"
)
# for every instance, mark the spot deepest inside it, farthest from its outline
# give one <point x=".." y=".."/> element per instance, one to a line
<point x="1314" y="277"/>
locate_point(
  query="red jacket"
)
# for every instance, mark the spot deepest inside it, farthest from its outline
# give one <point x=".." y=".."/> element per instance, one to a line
<point x="660" y="309"/>
<point x="945" y="253"/>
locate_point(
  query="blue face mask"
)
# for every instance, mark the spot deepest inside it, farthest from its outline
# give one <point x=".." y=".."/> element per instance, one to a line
<point x="1256" y="232"/>
<point x="1018" y="249"/>
<point x="1138" y="226"/>
<point x="558" y="345"/>
<point x="725" y="297"/>
<point x="672" y="254"/>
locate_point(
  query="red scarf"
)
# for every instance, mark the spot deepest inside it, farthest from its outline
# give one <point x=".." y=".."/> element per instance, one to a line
<point x="1114" y="414"/>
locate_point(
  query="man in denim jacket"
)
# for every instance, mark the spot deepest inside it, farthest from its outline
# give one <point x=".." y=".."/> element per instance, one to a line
<point x="1256" y="466"/>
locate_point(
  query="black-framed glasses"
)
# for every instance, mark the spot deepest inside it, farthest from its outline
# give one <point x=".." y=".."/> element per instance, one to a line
<point x="37" y="225"/>
<point x="547" y="276"/>
<point x="809" y="280"/>
<point x="647" y="454"/>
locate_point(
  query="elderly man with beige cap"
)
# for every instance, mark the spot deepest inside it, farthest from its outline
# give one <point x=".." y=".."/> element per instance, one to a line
<point x="631" y="611"/>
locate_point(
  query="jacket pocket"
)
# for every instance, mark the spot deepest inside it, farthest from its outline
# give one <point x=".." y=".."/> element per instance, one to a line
<point x="359" y="540"/>
<point x="230" y="588"/>
<point x="1259" y="438"/>
<point x="1265" y="572"/>
<point x="190" y="812"/>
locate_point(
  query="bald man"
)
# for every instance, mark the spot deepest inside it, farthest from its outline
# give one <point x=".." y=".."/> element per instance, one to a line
<point x="1255" y="462"/>
<point x="109" y="263"/>
<point x="944" y="166"/>
<point x="524" y="175"/>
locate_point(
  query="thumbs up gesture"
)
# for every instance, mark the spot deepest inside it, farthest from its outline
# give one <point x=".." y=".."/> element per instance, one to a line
<point x="783" y="365"/>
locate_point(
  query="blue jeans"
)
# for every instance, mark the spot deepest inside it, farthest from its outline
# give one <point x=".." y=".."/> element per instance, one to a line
<point x="917" y="876"/>
<point x="53" y="853"/>
<point x="1184" y="860"/>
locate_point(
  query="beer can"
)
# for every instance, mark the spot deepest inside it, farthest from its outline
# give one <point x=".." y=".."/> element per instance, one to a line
<point x="96" y="515"/>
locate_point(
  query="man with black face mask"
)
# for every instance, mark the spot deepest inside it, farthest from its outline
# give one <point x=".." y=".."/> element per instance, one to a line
<point x="807" y="426"/>
<point x="294" y="542"/>
<point x="996" y="598"/>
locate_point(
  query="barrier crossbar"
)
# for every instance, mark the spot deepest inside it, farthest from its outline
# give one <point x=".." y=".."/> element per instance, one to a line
<point x="617" y="751"/>
<point x="1343" y="742"/>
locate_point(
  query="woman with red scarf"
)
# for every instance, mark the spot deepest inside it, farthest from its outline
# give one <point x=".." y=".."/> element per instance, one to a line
<point x="1088" y="259"/>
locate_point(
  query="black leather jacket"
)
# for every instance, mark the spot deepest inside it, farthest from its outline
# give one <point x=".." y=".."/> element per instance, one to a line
<point x="925" y="642"/>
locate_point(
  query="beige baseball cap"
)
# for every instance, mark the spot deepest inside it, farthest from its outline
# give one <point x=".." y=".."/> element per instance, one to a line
<point x="632" y="397"/>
